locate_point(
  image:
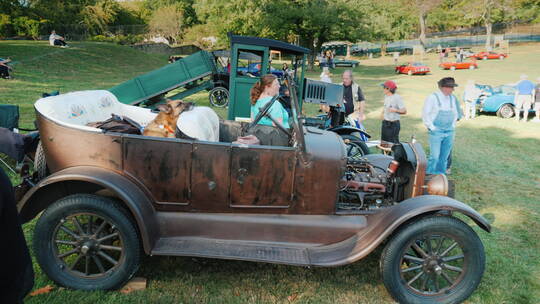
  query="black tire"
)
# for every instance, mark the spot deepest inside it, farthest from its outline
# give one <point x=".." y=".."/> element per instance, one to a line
<point x="108" y="233"/>
<point x="355" y="147"/>
<point x="437" y="259"/>
<point x="40" y="164"/>
<point x="506" y="111"/>
<point x="219" y="97"/>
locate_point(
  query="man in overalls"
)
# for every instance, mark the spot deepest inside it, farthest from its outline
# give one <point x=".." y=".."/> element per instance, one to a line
<point x="440" y="113"/>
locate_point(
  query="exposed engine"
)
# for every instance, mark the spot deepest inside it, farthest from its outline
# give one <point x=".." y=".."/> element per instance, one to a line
<point x="370" y="185"/>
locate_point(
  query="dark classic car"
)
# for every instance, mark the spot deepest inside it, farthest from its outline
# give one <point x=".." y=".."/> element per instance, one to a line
<point x="294" y="199"/>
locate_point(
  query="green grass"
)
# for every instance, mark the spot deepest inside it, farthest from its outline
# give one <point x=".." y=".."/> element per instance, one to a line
<point x="496" y="169"/>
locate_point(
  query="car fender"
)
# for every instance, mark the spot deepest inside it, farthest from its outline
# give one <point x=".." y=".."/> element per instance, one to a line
<point x="348" y="130"/>
<point x="383" y="224"/>
<point x="87" y="179"/>
<point x="495" y="102"/>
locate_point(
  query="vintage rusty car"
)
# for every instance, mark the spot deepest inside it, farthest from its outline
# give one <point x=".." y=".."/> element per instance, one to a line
<point x="294" y="199"/>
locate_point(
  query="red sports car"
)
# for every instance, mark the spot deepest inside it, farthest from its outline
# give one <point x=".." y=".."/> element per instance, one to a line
<point x="489" y="55"/>
<point x="413" y="68"/>
<point x="458" y="65"/>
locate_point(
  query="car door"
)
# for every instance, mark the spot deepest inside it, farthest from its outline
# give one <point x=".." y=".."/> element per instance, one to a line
<point x="162" y="165"/>
<point x="262" y="177"/>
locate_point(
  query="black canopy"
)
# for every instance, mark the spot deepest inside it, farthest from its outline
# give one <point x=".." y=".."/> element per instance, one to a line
<point x="272" y="44"/>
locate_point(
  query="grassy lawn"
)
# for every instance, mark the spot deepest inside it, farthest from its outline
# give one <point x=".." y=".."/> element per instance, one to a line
<point x="496" y="169"/>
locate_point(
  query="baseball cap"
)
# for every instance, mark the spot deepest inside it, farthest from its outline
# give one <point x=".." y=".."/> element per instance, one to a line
<point x="389" y="84"/>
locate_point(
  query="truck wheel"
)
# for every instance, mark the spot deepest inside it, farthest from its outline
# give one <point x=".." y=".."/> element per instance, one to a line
<point x="354" y="146"/>
<point x="506" y="111"/>
<point x="40" y="164"/>
<point x="436" y="259"/>
<point x="219" y="97"/>
<point x="87" y="242"/>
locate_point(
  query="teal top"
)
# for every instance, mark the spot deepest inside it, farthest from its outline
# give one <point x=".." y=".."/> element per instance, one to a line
<point x="277" y="111"/>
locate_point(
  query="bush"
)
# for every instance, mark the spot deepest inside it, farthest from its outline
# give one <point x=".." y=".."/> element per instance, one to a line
<point x="6" y="27"/>
<point x="27" y="27"/>
<point x="119" y="39"/>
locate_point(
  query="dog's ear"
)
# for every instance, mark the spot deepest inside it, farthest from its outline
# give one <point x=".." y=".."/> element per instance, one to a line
<point x="165" y="108"/>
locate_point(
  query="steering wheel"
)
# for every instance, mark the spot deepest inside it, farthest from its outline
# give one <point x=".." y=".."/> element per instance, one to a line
<point x="264" y="112"/>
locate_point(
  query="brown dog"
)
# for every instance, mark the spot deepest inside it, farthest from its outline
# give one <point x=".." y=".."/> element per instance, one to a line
<point x="164" y="125"/>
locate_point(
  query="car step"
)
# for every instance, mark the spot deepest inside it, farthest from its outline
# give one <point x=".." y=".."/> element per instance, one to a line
<point x="235" y="250"/>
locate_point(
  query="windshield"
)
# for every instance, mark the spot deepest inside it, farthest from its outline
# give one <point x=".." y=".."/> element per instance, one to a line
<point x="295" y="112"/>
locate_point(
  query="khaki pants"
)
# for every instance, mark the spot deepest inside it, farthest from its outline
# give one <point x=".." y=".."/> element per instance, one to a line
<point x="523" y="102"/>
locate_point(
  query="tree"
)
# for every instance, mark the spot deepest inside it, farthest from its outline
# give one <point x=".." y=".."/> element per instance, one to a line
<point x="488" y="12"/>
<point x="98" y="16"/>
<point x="422" y="9"/>
<point x="167" y="21"/>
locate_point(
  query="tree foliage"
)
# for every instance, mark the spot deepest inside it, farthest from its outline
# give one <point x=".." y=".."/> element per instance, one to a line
<point x="167" y="21"/>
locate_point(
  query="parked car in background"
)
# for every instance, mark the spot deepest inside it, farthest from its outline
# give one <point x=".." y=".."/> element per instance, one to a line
<point x="342" y="62"/>
<point x="412" y="68"/>
<point x="255" y="70"/>
<point x="458" y="65"/>
<point x="489" y="55"/>
<point x="498" y="100"/>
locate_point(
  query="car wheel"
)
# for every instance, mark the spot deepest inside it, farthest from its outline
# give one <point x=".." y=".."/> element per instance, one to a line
<point x="219" y="97"/>
<point x="87" y="242"/>
<point x="452" y="68"/>
<point x="40" y="163"/>
<point x="485" y="58"/>
<point x="506" y="111"/>
<point x="354" y="146"/>
<point x="409" y="73"/>
<point x="501" y="57"/>
<point x="472" y="67"/>
<point x="436" y="259"/>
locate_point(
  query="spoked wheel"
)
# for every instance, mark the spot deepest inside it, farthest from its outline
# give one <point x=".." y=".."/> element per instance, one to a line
<point x="219" y="97"/>
<point x="87" y="242"/>
<point x="433" y="260"/>
<point x="355" y="148"/>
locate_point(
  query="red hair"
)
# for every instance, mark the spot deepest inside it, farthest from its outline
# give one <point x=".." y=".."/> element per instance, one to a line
<point x="259" y="87"/>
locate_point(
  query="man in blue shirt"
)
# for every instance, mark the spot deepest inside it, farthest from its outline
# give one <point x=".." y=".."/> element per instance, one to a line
<point x="524" y="97"/>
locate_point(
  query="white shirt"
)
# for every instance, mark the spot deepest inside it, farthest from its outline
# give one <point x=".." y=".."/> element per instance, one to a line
<point x="431" y="109"/>
<point x="392" y="101"/>
<point x="326" y="78"/>
<point x="52" y="38"/>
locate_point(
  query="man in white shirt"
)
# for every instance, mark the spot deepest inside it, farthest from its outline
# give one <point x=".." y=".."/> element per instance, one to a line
<point x="440" y="114"/>
<point x="55" y="39"/>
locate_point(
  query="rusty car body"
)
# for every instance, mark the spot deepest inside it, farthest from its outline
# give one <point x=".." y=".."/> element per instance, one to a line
<point x="303" y="203"/>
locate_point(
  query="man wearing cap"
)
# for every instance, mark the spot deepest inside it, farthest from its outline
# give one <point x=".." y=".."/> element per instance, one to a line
<point x="440" y="114"/>
<point x="393" y="108"/>
<point x="523" y="98"/>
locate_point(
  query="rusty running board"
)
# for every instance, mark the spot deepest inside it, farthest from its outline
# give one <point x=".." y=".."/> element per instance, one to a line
<point x="232" y="250"/>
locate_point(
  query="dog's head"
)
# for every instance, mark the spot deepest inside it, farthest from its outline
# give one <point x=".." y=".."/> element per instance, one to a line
<point x="173" y="108"/>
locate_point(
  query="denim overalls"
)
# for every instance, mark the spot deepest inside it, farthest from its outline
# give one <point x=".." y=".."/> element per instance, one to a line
<point x="442" y="138"/>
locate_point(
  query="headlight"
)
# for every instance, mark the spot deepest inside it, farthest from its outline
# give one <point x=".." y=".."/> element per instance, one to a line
<point x="437" y="185"/>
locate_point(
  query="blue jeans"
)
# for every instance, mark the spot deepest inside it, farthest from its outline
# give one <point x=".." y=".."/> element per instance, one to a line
<point x="440" y="146"/>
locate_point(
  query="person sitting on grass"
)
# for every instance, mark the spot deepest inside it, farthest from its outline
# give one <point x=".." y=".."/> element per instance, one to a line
<point x="58" y="40"/>
<point x="5" y="69"/>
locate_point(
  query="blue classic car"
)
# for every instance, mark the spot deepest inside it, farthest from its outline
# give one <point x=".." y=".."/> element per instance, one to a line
<point x="255" y="70"/>
<point x="498" y="100"/>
